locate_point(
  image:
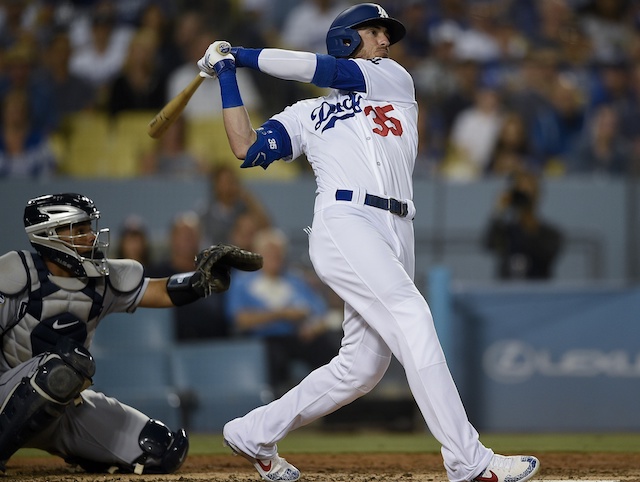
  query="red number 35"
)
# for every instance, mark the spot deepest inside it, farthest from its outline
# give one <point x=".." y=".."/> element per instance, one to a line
<point x="381" y="118"/>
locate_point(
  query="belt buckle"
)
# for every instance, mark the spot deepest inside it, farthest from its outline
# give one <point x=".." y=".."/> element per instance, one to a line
<point x="398" y="207"/>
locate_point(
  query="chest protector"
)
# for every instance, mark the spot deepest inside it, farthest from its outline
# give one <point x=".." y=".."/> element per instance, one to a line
<point x="51" y="312"/>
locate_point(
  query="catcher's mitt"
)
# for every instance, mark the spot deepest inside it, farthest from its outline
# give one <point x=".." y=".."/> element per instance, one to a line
<point x="215" y="262"/>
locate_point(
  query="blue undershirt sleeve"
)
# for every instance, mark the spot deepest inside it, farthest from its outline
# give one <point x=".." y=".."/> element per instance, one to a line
<point x="342" y="74"/>
<point x="246" y="57"/>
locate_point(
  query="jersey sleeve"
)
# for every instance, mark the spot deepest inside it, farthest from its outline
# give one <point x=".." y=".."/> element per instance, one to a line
<point x="290" y="121"/>
<point x="386" y="81"/>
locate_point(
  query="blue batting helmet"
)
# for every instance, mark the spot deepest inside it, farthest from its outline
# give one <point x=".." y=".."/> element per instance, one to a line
<point x="343" y="38"/>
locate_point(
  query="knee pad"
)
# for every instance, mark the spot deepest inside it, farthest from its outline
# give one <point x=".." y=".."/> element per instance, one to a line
<point x="39" y="400"/>
<point x="163" y="451"/>
<point x="60" y="379"/>
<point x="77" y="357"/>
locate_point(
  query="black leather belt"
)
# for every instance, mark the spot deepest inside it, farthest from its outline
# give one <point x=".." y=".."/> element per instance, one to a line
<point x="392" y="205"/>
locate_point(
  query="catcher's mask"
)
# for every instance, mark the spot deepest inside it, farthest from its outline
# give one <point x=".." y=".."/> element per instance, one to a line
<point x="343" y="38"/>
<point x="47" y="219"/>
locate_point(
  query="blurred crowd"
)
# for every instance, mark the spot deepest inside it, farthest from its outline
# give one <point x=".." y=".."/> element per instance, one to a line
<point x="284" y="304"/>
<point x="549" y="86"/>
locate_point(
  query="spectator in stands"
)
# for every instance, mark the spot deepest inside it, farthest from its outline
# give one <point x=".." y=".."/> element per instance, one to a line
<point x="478" y="39"/>
<point x="11" y="23"/>
<point x="134" y="241"/>
<point x="186" y="26"/>
<point x="25" y="151"/>
<point x="416" y="44"/>
<point x="434" y="75"/>
<point x="244" y="231"/>
<point x="528" y="89"/>
<point x="473" y="136"/>
<point x="99" y="54"/>
<point x="306" y="25"/>
<point x="512" y="151"/>
<point x="170" y="157"/>
<point x="629" y="112"/>
<point x="160" y="18"/>
<point x="228" y="199"/>
<point x="467" y="75"/>
<point x="559" y="124"/>
<point x="204" y="318"/>
<point x="611" y="83"/>
<point x="71" y="93"/>
<point x="526" y="247"/>
<point x="555" y="19"/>
<point x="277" y="305"/>
<point x="602" y="149"/>
<point x="19" y="73"/>
<point x="140" y="84"/>
<point x="606" y="24"/>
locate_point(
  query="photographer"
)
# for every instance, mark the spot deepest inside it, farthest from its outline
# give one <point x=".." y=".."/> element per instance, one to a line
<point x="526" y="246"/>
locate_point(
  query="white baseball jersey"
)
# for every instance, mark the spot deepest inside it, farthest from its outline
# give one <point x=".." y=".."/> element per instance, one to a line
<point x="362" y="140"/>
<point x="365" y="143"/>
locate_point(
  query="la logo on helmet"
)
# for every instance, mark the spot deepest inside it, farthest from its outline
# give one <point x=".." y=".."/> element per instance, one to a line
<point x="381" y="12"/>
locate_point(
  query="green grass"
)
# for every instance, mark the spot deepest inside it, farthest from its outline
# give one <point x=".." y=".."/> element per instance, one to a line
<point x="311" y="441"/>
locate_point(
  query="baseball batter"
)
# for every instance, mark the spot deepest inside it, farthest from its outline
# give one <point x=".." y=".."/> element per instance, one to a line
<point x="361" y="141"/>
<point x="51" y="302"/>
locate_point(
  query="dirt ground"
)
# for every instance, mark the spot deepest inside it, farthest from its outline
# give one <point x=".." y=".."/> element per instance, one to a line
<point x="338" y="467"/>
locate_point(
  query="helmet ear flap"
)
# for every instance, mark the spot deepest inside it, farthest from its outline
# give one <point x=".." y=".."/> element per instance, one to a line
<point x="343" y="41"/>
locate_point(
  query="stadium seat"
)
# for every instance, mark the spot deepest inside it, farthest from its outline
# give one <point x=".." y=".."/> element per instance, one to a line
<point x="228" y="378"/>
<point x="140" y="379"/>
<point x="207" y="139"/>
<point x="146" y="329"/>
<point x="87" y="145"/>
<point x="133" y="357"/>
<point x="129" y="141"/>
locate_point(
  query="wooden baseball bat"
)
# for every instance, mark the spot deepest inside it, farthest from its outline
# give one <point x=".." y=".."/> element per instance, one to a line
<point x="172" y="110"/>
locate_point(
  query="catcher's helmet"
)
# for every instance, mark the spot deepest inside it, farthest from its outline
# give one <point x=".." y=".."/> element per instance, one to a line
<point x="343" y="38"/>
<point x="44" y="215"/>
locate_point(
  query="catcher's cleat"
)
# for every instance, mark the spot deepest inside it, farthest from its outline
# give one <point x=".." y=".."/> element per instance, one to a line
<point x="515" y="468"/>
<point x="273" y="469"/>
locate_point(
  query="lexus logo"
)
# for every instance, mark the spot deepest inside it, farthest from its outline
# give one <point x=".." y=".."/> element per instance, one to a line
<point x="513" y="361"/>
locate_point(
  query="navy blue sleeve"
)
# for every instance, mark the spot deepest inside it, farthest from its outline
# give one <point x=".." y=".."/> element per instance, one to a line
<point x="342" y="74"/>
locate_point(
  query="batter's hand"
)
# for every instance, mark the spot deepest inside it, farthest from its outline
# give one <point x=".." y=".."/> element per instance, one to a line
<point x="215" y="262"/>
<point x="217" y="59"/>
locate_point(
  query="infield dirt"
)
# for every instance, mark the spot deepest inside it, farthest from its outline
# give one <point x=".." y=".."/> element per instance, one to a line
<point x="334" y="467"/>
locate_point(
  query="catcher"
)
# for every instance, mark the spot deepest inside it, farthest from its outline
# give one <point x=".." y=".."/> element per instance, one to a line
<point x="51" y="302"/>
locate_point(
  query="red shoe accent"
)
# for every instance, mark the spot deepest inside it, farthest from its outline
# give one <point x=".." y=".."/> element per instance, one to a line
<point x="493" y="478"/>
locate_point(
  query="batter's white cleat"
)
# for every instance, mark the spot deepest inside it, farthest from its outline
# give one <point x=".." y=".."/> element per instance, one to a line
<point x="515" y="468"/>
<point x="274" y="469"/>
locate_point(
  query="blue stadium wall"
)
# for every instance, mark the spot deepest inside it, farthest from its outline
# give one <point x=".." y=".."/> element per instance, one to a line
<point x="555" y="356"/>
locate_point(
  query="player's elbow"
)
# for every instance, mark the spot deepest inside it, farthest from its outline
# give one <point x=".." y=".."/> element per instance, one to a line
<point x="240" y="145"/>
<point x="240" y="152"/>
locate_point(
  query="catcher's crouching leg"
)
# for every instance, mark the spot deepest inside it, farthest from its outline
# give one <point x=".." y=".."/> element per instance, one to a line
<point x="163" y="452"/>
<point x="38" y="401"/>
